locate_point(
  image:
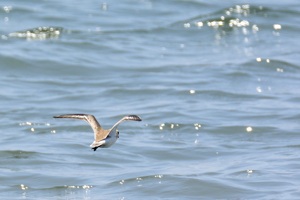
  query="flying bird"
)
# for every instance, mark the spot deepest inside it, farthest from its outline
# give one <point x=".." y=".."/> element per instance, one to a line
<point x="102" y="138"/>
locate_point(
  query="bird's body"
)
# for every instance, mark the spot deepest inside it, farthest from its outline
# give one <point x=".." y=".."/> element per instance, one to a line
<point x="102" y="138"/>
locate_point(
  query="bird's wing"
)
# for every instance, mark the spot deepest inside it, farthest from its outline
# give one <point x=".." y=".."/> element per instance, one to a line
<point x="127" y="118"/>
<point x="99" y="132"/>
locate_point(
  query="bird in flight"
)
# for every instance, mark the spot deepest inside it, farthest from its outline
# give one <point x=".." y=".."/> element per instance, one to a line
<point x="102" y="138"/>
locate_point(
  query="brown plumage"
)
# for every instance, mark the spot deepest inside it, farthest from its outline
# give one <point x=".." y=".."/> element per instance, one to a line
<point x="102" y="138"/>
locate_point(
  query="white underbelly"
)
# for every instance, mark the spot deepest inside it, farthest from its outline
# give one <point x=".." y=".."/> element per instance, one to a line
<point x="109" y="141"/>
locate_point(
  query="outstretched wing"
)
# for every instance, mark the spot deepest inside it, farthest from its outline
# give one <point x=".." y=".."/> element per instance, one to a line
<point x="99" y="132"/>
<point x="127" y="118"/>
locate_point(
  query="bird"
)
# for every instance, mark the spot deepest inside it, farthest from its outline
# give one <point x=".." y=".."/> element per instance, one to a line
<point x="102" y="138"/>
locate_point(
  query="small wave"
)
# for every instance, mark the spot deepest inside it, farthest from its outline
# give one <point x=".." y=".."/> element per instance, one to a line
<point x="71" y="187"/>
<point x="18" y="154"/>
<point x="39" y="33"/>
<point x="139" y="180"/>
